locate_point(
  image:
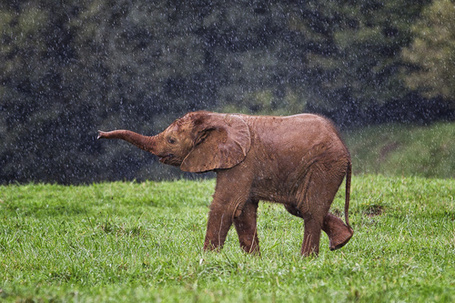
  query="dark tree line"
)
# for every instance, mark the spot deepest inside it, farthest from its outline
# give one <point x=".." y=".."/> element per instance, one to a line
<point x="70" y="67"/>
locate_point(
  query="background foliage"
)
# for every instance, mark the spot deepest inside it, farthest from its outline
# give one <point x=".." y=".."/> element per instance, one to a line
<point x="70" y="67"/>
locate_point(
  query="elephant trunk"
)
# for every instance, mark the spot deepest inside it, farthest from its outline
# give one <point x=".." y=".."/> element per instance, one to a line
<point x="143" y="142"/>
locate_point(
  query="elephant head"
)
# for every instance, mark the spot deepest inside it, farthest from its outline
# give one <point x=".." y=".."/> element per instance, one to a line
<point x="197" y="142"/>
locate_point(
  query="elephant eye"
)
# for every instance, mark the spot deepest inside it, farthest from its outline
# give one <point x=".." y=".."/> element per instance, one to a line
<point x="171" y="140"/>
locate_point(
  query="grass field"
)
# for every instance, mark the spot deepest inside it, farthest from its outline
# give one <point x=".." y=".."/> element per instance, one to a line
<point x="137" y="242"/>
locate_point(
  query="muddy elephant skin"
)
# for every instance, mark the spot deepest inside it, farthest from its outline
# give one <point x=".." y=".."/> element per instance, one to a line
<point x="298" y="161"/>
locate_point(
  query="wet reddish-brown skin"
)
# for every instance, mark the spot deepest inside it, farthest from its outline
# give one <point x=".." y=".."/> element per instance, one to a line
<point x="298" y="161"/>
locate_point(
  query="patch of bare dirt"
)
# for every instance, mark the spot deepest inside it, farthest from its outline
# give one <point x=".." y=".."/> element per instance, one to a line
<point x="374" y="210"/>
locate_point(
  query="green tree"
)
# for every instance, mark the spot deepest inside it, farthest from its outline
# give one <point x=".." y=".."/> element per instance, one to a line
<point x="330" y="56"/>
<point x="355" y="54"/>
<point x="70" y="67"/>
<point x="432" y="53"/>
<point x="31" y="82"/>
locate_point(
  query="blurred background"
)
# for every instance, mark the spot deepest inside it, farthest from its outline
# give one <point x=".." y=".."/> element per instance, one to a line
<point x="384" y="71"/>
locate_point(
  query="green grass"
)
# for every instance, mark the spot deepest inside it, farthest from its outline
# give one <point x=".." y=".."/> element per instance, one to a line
<point x="425" y="151"/>
<point x="142" y="242"/>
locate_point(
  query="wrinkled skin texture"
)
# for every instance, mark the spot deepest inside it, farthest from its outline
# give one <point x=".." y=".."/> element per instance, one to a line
<point x="298" y="161"/>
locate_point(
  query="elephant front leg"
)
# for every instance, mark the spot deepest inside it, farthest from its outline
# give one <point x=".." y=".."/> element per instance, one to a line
<point x="245" y="224"/>
<point x="218" y="225"/>
<point x="231" y="194"/>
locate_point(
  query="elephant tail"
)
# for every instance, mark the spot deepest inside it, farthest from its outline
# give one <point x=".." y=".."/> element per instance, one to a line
<point x="348" y="194"/>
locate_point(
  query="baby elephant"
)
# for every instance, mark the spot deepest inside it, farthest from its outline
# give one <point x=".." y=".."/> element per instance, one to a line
<point x="299" y="161"/>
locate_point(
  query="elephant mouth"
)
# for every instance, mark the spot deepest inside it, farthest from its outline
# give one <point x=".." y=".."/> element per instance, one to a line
<point x="165" y="158"/>
<point x="169" y="159"/>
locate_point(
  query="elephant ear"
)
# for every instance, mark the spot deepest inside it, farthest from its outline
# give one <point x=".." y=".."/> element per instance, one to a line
<point x="222" y="141"/>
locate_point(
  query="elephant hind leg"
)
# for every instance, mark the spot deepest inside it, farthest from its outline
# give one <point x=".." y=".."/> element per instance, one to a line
<point x="312" y="232"/>
<point x="311" y="236"/>
<point x="246" y="228"/>
<point x="338" y="232"/>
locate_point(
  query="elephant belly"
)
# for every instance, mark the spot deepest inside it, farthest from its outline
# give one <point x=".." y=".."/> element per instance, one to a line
<point x="270" y="189"/>
<point x="313" y="178"/>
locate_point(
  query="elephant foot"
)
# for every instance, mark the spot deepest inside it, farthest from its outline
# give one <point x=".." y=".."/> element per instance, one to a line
<point x="340" y="239"/>
<point x="251" y="249"/>
<point x="338" y="232"/>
